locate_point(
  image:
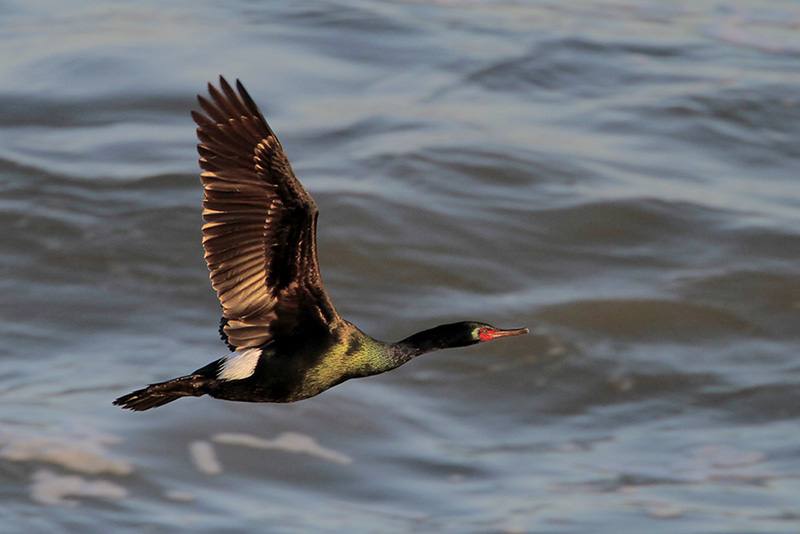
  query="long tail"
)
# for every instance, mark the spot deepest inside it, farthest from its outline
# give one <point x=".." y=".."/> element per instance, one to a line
<point x="156" y="395"/>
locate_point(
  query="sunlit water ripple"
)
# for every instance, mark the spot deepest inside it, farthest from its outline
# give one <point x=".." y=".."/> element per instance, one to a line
<point x="622" y="177"/>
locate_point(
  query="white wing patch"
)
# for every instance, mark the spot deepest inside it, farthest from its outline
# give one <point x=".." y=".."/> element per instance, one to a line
<point x="239" y="365"/>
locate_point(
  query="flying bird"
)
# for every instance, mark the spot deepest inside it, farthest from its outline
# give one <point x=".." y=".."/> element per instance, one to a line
<point x="287" y="341"/>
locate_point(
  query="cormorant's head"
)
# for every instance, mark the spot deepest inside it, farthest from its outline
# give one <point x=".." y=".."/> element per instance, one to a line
<point x="456" y="335"/>
<point x="464" y="333"/>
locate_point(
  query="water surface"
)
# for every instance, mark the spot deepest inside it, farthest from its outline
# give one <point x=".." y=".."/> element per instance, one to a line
<point x="622" y="177"/>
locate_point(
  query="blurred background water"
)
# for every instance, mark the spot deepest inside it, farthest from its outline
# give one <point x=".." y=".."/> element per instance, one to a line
<point x="621" y="176"/>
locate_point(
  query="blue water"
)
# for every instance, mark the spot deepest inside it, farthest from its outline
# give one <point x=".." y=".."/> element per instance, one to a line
<point x="622" y="177"/>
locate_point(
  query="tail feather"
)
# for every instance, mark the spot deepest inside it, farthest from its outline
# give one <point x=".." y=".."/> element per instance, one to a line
<point x="156" y="395"/>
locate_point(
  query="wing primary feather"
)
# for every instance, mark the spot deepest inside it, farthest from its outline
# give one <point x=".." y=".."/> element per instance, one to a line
<point x="225" y="105"/>
<point x="232" y="99"/>
<point x="214" y="113"/>
<point x="254" y="109"/>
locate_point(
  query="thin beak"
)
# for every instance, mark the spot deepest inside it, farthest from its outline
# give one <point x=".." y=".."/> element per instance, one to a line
<point x="505" y="333"/>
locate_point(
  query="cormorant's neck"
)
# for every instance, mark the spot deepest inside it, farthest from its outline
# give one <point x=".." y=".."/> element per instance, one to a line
<point x="439" y="337"/>
<point x="367" y="356"/>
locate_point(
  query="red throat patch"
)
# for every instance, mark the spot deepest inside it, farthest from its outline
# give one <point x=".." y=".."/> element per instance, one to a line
<point x="485" y="334"/>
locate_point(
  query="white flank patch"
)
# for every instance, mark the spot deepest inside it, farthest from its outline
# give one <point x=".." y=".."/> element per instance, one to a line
<point x="239" y="365"/>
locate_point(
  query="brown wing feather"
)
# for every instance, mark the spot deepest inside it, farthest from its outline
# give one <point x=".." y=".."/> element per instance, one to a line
<point x="260" y="225"/>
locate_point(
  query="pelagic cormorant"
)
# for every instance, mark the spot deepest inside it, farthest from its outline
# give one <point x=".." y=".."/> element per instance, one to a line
<point x="287" y="341"/>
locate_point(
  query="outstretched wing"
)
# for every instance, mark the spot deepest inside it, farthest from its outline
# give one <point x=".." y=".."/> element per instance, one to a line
<point x="260" y="225"/>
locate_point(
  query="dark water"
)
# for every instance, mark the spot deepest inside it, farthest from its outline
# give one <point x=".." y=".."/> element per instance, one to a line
<point x="623" y="177"/>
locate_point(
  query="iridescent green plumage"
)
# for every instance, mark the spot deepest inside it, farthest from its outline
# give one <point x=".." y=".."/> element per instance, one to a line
<point x="259" y="235"/>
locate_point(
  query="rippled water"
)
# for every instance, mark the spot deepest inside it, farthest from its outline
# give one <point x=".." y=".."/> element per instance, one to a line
<point x="623" y="177"/>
